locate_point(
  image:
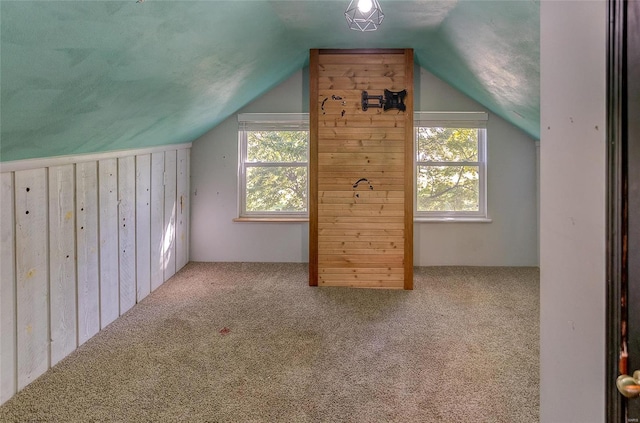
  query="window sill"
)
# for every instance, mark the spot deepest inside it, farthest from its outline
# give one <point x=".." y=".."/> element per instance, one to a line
<point x="415" y="219"/>
<point x="271" y="219"/>
<point x="452" y="220"/>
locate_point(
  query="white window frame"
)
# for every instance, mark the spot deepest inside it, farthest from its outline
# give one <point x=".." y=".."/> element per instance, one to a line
<point x="265" y="122"/>
<point x="453" y="120"/>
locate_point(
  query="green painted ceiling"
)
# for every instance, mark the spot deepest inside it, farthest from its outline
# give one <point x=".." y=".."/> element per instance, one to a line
<point x="87" y="76"/>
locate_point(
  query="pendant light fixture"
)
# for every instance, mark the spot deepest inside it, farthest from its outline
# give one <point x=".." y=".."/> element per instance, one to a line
<point x="364" y="15"/>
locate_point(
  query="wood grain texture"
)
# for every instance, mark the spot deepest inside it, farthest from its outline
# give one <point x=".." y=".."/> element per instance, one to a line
<point x="7" y="289"/>
<point x="127" y="231"/>
<point x="364" y="226"/>
<point x="108" y="223"/>
<point x="87" y="250"/>
<point x="372" y="132"/>
<point x="392" y="83"/>
<point x="32" y="275"/>
<point x="360" y="146"/>
<point x="362" y="270"/>
<point x="313" y="166"/>
<point x="336" y="70"/>
<point x="409" y="178"/>
<point x="170" y="211"/>
<point x="362" y="60"/>
<point x="62" y="267"/>
<point x="143" y="226"/>
<point x="157" y="220"/>
<point x="369" y="283"/>
<point x="182" y="206"/>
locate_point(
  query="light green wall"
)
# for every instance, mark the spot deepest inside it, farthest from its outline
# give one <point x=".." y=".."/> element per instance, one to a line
<point x="89" y="76"/>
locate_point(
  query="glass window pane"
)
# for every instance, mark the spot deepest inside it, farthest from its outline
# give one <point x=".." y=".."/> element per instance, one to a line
<point x="447" y="144"/>
<point x="448" y="188"/>
<point x="277" y="146"/>
<point x="282" y="188"/>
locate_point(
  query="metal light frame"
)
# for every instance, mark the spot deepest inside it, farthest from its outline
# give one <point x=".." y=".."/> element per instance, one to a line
<point x="369" y="21"/>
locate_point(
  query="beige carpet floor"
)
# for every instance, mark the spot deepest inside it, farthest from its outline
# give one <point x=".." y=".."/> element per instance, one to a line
<point x="238" y="342"/>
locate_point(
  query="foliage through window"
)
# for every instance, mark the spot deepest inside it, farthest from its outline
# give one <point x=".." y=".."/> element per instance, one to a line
<point x="274" y="151"/>
<point x="450" y="165"/>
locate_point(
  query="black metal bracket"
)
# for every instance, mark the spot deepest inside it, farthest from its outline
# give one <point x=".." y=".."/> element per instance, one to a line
<point x="390" y="100"/>
<point x="365" y="101"/>
<point x="395" y="100"/>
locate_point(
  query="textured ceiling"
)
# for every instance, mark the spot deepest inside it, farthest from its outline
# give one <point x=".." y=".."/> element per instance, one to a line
<point x="87" y="76"/>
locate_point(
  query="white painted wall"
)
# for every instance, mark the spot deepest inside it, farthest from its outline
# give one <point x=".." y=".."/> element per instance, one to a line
<point x="510" y="240"/>
<point x="51" y="256"/>
<point x="572" y="211"/>
<point x="214" y="185"/>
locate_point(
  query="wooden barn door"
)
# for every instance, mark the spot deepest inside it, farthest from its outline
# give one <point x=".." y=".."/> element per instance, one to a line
<point x="361" y="169"/>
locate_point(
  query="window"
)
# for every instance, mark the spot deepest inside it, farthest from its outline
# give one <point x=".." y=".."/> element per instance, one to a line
<point x="450" y="165"/>
<point x="274" y="156"/>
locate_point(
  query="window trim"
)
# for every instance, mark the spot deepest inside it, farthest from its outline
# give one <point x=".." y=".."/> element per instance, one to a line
<point x="267" y="122"/>
<point x="453" y="120"/>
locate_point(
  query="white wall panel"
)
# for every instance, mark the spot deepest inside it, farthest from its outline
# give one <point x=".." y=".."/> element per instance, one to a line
<point x="87" y="250"/>
<point x="573" y="169"/>
<point x="170" y="211"/>
<point x="182" y="207"/>
<point x="157" y="220"/>
<point x="108" y="218"/>
<point x="7" y="290"/>
<point x="62" y="267"/>
<point x="31" y="275"/>
<point x="81" y="242"/>
<point x="143" y="226"/>
<point x="127" y="228"/>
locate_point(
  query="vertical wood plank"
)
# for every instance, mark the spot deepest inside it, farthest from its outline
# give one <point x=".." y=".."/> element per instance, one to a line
<point x="187" y="214"/>
<point x="143" y="226"/>
<point x="31" y="274"/>
<point x="182" y="206"/>
<point x="313" y="166"/>
<point x="108" y="223"/>
<point x="87" y="250"/>
<point x="336" y="144"/>
<point x="409" y="177"/>
<point x="170" y="209"/>
<point x="7" y="289"/>
<point x="157" y="220"/>
<point x="127" y="231"/>
<point x="62" y="268"/>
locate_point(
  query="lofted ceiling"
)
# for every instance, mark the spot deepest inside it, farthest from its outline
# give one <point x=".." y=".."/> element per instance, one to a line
<point x="88" y="76"/>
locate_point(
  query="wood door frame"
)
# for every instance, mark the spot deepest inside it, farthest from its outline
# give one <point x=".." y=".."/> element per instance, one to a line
<point x="313" y="166"/>
<point x="617" y="207"/>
